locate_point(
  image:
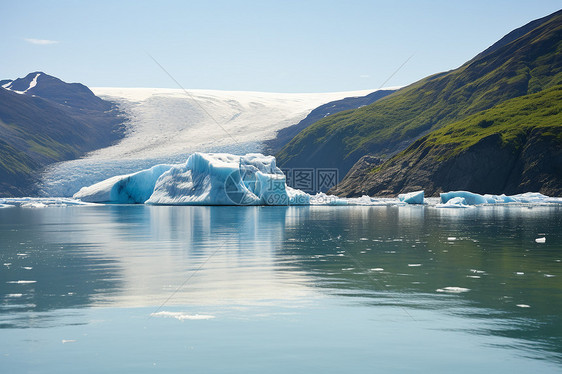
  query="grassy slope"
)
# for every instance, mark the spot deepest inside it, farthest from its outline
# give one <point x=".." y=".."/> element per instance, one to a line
<point x="529" y="64"/>
<point x="512" y="119"/>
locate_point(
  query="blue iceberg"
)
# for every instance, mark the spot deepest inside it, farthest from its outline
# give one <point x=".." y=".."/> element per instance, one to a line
<point x="225" y="179"/>
<point x="133" y="188"/>
<point x="205" y="179"/>
<point x="412" y="197"/>
<point x="470" y="198"/>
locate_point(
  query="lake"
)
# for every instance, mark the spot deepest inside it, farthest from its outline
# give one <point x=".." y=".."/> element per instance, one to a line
<point x="137" y="289"/>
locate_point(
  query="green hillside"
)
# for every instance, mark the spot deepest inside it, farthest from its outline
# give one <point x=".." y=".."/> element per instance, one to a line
<point x="514" y="147"/>
<point x="516" y="66"/>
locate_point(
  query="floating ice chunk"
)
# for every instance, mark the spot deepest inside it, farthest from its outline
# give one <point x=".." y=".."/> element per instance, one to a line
<point x="477" y="199"/>
<point x="469" y="197"/>
<point x="453" y="289"/>
<point x="40" y="202"/>
<point x="123" y="189"/>
<point x="377" y="269"/>
<point x="22" y="282"/>
<point x="182" y="316"/>
<point x="496" y="199"/>
<point x="541" y="240"/>
<point x="65" y="341"/>
<point x="451" y="238"/>
<point x="523" y="306"/>
<point x="455" y="202"/>
<point x="14" y="295"/>
<point x="323" y="199"/>
<point x="412" y="197"/>
<point x="414" y="265"/>
<point x="34" y="204"/>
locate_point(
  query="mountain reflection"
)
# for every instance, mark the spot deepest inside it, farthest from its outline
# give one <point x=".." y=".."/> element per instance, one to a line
<point x="480" y="265"/>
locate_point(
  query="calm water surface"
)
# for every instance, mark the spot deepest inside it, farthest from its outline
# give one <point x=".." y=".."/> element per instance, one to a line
<point x="135" y="289"/>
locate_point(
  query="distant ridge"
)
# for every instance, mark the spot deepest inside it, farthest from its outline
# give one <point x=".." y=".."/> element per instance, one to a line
<point x="45" y="120"/>
<point x="285" y="135"/>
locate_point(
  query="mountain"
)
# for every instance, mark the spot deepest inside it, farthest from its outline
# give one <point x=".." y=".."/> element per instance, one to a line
<point x="71" y="95"/>
<point x="286" y="134"/>
<point x="526" y="61"/>
<point x="45" y="120"/>
<point x="512" y="148"/>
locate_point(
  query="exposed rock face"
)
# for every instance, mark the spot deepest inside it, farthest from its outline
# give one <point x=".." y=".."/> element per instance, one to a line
<point x="488" y="166"/>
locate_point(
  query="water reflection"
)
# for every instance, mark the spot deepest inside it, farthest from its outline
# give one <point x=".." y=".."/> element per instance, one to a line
<point x="465" y="265"/>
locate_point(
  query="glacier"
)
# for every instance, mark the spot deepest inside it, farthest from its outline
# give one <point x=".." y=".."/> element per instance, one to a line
<point x="165" y="126"/>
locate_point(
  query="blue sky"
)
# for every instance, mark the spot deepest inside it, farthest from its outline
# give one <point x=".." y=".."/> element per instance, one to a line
<point x="274" y="46"/>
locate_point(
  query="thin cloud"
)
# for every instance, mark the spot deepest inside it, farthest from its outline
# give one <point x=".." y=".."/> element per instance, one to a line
<point x="40" y="41"/>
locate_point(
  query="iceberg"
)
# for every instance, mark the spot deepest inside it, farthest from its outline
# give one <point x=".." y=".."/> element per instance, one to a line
<point x="415" y="197"/>
<point x="455" y="202"/>
<point x="225" y="179"/>
<point x="133" y="188"/>
<point x="470" y="198"/>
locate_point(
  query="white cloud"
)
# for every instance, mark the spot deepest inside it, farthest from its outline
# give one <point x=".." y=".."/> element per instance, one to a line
<point x="40" y="41"/>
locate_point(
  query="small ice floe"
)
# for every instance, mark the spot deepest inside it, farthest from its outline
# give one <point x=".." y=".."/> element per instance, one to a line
<point x="477" y="271"/>
<point x="453" y="289"/>
<point x="64" y="341"/>
<point x="412" y="197"/>
<point x="519" y="273"/>
<point x="377" y="269"/>
<point x="455" y="202"/>
<point x="541" y="240"/>
<point x="14" y="295"/>
<point x="34" y="204"/>
<point x="363" y="239"/>
<point x="22" y="282"/>
<point x="414" y="265"/>
<point x="348" y="269"/>
<point x="22" y="254"/>
<point x="26" y="267"/>
<point x="473" y="276"/>
<point x="451" y="238"/>
<point x="182" y="316"/>
<point x="549" y="275"/>
<point x="523" y="306"/>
